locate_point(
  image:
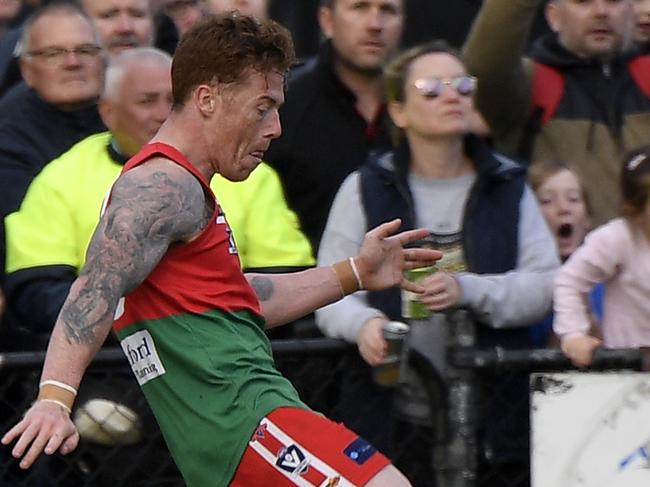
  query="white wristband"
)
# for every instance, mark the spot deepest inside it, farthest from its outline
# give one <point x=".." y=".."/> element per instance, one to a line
<point x="353" y="264"/>
<point x="61" y="385"/>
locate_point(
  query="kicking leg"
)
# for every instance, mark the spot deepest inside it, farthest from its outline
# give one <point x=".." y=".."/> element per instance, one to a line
<point x="389" y="476"/>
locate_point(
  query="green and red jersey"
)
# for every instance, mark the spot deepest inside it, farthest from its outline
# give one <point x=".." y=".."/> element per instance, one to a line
<point x="194" y="337"/>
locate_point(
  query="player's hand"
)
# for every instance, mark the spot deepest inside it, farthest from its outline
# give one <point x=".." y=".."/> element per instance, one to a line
<point x="580" y="349"/>
<point x="370" y="341"/>
<point x="383" y="259"/>
<point x="46" y="427"/>
<point x="441" y="291"/>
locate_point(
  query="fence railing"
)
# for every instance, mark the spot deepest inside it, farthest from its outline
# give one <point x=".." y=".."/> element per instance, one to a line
<point x="456" y="448"/>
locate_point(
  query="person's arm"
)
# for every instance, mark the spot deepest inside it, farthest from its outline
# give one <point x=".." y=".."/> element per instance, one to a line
<point x="493" y="52"/>
<point x="37" y="295"/>
<point x="379" y="264"/>
<point x="15" y="176"/>
<point x="151" y="207"/>
<point x="597" y="260"/>
<point x="43" y="255"/>
<point x="524" y="295"/>
<point x="350" y="318"/>
<point x="342" y="238"/>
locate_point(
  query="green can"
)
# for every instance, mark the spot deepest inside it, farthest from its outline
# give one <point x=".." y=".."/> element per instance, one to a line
<point x="412" y="307"/>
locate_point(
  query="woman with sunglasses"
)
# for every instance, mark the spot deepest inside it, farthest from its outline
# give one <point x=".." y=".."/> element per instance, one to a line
<point x="499" y="256"/>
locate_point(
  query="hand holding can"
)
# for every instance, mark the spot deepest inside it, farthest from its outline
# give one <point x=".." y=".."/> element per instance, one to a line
<point x="387" y="373"/>
<point x="412" y="307"/>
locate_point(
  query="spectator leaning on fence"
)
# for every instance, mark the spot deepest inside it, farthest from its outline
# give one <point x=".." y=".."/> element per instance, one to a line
<point x="336" y="112"/>
<point x="618" y="254"/>
<point x="48" y="237"/>
<point x="162" y="268"/>
<point x="499" y="257"/>
<point x="566" y="208"/>
<point x="580" y="96"/>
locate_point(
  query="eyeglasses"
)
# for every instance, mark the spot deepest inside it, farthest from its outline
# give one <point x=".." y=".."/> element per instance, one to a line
<point x="433" y="87"/>
<point x="55" y="55"/>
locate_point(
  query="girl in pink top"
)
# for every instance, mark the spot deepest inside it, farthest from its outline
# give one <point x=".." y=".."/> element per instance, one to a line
<point x="617" y="253"/>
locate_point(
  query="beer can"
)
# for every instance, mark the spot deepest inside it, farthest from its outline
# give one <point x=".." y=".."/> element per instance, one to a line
<point x="387" y="373"/>
<point x="412" y="307"/>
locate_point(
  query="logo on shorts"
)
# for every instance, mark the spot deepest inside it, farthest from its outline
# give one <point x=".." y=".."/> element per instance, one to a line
<point x="291" y="459"/>
<point x="141" y="351"/>
<point x="359" y="451"/>
<point x="260" y="432"/>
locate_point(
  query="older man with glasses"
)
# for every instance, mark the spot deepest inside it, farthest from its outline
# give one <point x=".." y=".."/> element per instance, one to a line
<point x="62" y="66"/>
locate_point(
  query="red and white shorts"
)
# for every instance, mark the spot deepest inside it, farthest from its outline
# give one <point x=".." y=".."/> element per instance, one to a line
<point x="294" y="446"/>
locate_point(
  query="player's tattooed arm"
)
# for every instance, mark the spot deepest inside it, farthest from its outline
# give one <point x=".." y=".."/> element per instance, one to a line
<point x="151" y="207"/>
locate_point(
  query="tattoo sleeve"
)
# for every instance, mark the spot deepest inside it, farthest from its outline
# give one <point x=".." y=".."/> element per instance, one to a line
<point x="263" y="287"/>
<point x="151" y="207"/>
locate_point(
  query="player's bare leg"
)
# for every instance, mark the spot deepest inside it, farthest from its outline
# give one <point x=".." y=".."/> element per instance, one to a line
<point x="389" y="476"/>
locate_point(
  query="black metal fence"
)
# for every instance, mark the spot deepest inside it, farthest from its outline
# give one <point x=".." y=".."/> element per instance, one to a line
<point x="473" y="439"/>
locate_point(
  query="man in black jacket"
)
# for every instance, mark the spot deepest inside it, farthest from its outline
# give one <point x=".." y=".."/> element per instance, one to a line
<point x="334" y="114"/>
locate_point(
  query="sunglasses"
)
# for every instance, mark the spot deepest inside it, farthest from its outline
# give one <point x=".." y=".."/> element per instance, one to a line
<point x="433" y="87"/>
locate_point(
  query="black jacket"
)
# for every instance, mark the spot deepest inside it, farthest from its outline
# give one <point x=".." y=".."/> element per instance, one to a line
<point x="323" y="140"/>
<point x="32" y="133"/>
<point x="594" y="91"/>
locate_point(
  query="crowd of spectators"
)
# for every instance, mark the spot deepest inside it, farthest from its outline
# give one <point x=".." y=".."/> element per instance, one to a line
<point x="370" y="132"/>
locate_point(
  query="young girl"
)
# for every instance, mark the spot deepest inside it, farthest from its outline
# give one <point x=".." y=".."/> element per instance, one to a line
<point x="563" y="201"/>
<point x="565" y="205"/>
<point x="618" y="253"/>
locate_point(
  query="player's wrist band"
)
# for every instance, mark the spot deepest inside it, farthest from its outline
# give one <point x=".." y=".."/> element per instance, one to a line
<point x="57" y="392"/>
<point x="62" y="385"/>
<point x="347" y="275"/>
<point x="353" y="264"/>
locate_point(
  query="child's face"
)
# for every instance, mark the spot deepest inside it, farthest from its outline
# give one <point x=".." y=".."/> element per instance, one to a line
<point x="642" y="21"/>
<point x="565" y="210"/>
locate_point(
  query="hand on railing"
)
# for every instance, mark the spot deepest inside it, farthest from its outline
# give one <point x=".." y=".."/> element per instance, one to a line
<point x="580" y="349"/>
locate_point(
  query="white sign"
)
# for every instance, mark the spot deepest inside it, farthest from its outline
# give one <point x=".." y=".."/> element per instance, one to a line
<point x="590" y="429"/>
